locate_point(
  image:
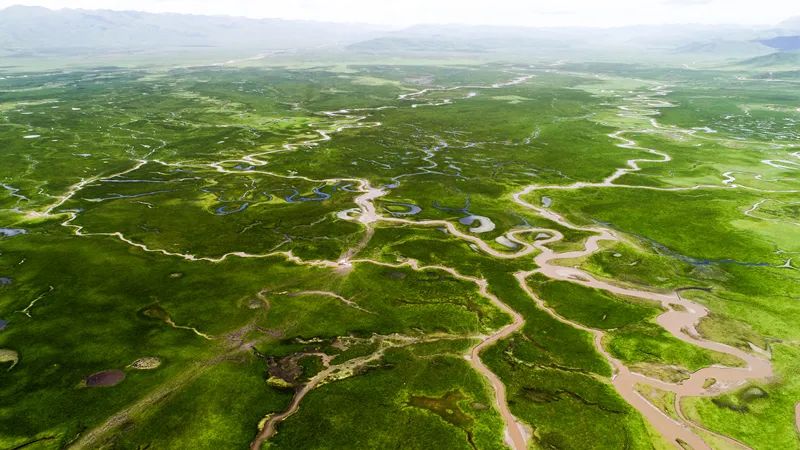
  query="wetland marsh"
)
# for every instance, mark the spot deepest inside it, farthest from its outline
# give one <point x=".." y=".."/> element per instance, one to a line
<point x="439" y="255"/>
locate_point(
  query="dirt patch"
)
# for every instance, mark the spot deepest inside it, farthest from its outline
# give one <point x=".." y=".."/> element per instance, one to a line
<point x="146" y="363"/>
<point x="275" y="333"/>
<point x="255" y="303"/>
<point x="395" y="275"/>
<point x="154" y="312"/>
<point x="668" y="373"/>
<point x="753" y="393"/>
<point x="677" y="307"/>
<point x="287" y="368"/>
<point x="8" y="355"/>
<point x="105" y="378"/>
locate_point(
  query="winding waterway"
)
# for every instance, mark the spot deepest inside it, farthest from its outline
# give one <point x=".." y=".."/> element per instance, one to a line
<point x="679" y="318"/>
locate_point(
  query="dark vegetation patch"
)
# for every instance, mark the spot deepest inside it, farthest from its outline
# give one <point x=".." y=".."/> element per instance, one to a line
<point x="739" y="402"/>
<point x="447" y="407"/>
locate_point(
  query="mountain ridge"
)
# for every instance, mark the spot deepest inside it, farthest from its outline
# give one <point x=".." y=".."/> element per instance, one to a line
<point x="21" y="30"/>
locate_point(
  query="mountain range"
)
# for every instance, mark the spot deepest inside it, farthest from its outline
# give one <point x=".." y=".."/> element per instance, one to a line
<point x="34" y="32"/>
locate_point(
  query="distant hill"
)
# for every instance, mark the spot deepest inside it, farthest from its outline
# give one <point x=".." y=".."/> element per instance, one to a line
<point x="28" y="34"/>
<point x="448" y="39"/>
<point x="774" y="61"/>
<point x="676" y="41"/>
<point x="398" y="44"/>
<point x="783" y="43"/>
<point x="740" y="49"/>
<point x="26" y="30"/>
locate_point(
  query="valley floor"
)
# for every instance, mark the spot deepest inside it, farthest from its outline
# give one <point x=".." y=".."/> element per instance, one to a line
<point x="477" y="256"/>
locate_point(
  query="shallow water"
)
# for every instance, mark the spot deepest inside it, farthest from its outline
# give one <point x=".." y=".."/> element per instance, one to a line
<point x="463" y="210"/>
<point x="484" y="223"/>
<point x="412" y="209"/>
<point x="105" y="378"/>
<point x="320" y="196"/>
<point x="11" y="232"/>
<point x="224" y="209"/>
<point x="506" y="242"/>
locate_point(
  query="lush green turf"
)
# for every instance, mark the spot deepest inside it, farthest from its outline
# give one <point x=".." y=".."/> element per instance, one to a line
<point x="437" y="402"/>
<point x="162" y="211"/>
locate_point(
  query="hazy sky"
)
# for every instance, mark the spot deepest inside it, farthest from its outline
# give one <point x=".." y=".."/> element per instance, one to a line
<point x="494" y="12"/>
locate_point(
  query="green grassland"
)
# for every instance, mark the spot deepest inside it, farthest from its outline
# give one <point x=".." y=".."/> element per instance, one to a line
<point x="194" y="215"/>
